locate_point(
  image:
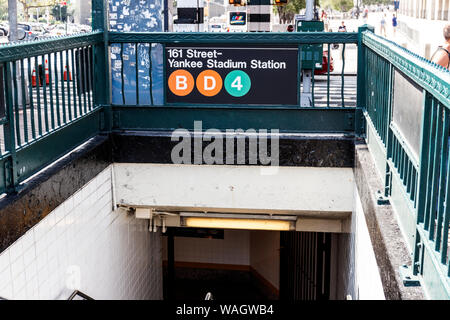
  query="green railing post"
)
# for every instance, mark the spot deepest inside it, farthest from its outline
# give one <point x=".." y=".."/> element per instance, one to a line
<point x="102" y="70"/>
<point x="361" y="85"/>
<point x="10" y="168"/>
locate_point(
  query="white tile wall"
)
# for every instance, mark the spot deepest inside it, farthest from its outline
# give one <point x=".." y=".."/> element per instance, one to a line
<point x="265" y="255"/>
<point x="84" y="245"/>
<point x="233" y="249"/>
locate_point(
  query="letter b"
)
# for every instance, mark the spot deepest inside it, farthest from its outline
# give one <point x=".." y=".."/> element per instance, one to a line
<point x="181" y="82"/>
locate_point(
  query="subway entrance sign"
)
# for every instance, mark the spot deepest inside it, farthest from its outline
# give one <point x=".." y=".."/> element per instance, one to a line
<point x="230" y="75"/>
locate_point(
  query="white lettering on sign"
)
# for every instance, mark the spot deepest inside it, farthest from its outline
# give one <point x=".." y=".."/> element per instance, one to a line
<point x="185" y="63"/>
<point x="269" y="64"/>
<point x="194" y="53"/>
<point x="237" y="83"/>
<point x="210" y="83"/>
<point x="229" y="64"/>
<point x="181" y="82"/>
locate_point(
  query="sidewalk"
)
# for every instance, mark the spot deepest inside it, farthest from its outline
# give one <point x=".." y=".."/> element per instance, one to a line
<point x="418" y="35"/>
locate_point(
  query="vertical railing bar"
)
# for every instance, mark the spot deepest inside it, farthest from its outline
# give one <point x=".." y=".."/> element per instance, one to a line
<point x="164" y="73"/>
<point x="44" y="90"/>
<point x="373" y="96"/>
<point x="414" y="184"/>
<point x="30" y="85"/>
<point x="408" y="176"/>
<point x="367" y="81"/>
<point x="446" y="224"/>
<point x="8" y="128"/>
<point x="435" y="171"/>
<point x="394" y="149"/>
<point x="50" y="77"/>
<point x="84" y="75"/>
<point x="430" y="162"/>
<point x="313" y="84"/>
<point x="68" y="74"/>
<point x="58" y="110"/>
<point x="122" y="74"/>
<point x="397" y="154"/>
<point x="422" y="183"/>
<point x="24" y="102"/>
<point x="385" y="100"/>
<point x="328" y="76"/>
<point x="150" y="72"/>
<point x="74" y="84"/>
<point x="342" y="75"/>
<point x="401" y="165"/>
<point x="136" y="45"/>
<point x="92" y="50"/>
<point x="88" y="77"/>
<point x="376" y="96"/>
<point x="16" y="103"/>
<point x="405" y="167"/>
<point x="442" y="175"/>
<point x="63" y="95"/>
<point x="299" y="71"/>
<point x="79" y="79"/>
<point x="38" y="95"/>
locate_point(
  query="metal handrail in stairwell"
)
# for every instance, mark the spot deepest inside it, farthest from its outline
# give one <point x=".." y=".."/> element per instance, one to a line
<point x="80" y="294"/>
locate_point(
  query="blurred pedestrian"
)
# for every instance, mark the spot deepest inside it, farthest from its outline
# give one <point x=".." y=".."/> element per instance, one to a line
<point x="290" y="28"/>
<point x="383" y="25"/>
<point x="442" y="54"/>
<point x="394" y="23"/>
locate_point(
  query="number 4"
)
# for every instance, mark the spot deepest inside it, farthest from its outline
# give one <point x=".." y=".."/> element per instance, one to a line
<point x="237" y="83"/>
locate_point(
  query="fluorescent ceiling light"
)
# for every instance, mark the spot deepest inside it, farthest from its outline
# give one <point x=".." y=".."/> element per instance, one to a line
<point x="247" y="224"/>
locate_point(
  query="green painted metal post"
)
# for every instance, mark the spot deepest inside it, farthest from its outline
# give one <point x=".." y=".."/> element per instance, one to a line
<point x="361" y="85"/>
<point x="102" y="70"/>
<point x="10" y="141"/>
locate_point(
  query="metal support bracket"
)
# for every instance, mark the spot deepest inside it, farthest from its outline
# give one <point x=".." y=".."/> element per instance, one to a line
<point x="406" y="274"/>
<point x="381" y="199"/>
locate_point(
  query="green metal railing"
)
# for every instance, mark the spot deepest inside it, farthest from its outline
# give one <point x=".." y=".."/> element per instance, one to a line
<point x="48" y="105"/>
<point x="412" y="150"/>
<point x="43" y="122"/>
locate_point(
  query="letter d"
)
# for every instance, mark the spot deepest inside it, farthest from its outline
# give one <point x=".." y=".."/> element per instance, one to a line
<point x="206" y="82"/>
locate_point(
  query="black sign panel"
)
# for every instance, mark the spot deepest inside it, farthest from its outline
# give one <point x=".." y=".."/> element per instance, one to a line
<point x="232" y="75"/>
<point x="238" y="18"/>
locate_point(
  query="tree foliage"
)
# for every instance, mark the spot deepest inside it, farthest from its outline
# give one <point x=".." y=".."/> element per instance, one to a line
<point x="32" y="4"/>
<point x="288" y="11"/>
<point x="368" y="2"/>
<point x="3" y="10"/>
<point x="340" y="5"/>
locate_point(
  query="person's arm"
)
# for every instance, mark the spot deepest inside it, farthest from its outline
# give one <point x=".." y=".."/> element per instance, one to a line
<point x="441" y="58"/>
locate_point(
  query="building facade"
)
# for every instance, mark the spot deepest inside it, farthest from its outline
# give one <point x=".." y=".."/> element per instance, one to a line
<point x="425" y="9"/>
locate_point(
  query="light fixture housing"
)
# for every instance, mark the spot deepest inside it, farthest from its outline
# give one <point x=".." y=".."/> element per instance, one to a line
<point x="237" y="223"/>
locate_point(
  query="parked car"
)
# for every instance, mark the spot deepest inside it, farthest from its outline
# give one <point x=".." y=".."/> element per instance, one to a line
<point x="38" y="30"/>
<point x="25" y="32"/>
